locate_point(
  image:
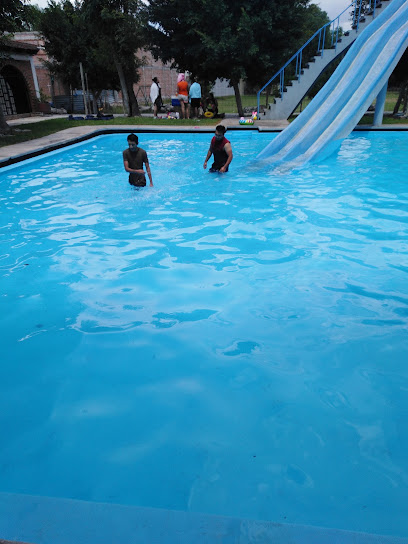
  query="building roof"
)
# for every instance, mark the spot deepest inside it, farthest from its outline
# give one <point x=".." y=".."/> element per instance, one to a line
<point x="20" y="47"/>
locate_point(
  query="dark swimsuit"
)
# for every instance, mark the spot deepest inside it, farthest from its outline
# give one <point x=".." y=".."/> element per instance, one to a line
<point x="219" y="153"/>
<point x="135" y="161"/>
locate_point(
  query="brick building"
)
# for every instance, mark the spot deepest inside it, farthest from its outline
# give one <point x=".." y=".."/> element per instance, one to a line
<point x="19" y="92"/>
<point x="48" y="85"/>
<point x="167" y="78"/>
<point x="25" y="83"/>
<point x="49" y="88"/>
<point x="35" y="81"/>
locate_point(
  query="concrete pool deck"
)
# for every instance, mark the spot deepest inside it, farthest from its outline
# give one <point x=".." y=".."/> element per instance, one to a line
<point x="17" y="152"/>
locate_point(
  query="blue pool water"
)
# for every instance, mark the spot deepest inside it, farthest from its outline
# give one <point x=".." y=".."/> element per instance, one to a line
<point x="235" y="344"/>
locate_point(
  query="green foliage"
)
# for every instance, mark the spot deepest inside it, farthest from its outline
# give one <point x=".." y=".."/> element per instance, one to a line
<point x="32" y="17"/>
<point x="117" y="26"/>
<point x="68" y="42"/>
<point x="65" y="41"/>
<point x="229" y="39"/>
<point x="12" y="16"/>
<point x="15" y="15"/>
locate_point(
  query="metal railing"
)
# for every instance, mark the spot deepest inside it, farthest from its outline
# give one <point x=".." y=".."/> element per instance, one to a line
<point x="295" y="64"/>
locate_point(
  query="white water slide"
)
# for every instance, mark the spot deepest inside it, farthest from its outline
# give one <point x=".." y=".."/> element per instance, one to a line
<point x="341" y="103"/>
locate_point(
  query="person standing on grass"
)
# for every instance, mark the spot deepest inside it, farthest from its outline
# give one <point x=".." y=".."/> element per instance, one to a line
<point x="221" y="148"/>
<point x="182" y="95"/>
<point x="155" y="96"/>
<point x="133" y="160"/>
<point x="195" y="97"/>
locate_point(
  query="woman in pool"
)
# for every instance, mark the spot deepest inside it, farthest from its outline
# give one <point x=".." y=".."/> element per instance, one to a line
<point x="182" y="95"/>
<point x="221" y="148"/>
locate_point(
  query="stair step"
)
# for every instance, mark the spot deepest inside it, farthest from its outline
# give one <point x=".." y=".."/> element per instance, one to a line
<point x="285" y="103"/>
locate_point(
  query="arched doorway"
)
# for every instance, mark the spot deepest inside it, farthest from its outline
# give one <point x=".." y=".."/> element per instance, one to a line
<point x="14" y="96"/>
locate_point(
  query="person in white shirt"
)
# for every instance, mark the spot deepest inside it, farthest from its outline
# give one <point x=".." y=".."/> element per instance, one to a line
<point x="155" y="96"/>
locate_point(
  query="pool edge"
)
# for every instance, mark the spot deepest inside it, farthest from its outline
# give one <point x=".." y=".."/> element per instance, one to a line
<point x="47" y="520"/>
<point x="90" y="132"/>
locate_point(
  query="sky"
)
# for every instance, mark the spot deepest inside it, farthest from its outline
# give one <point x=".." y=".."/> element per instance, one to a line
<point x="332" y="7"/>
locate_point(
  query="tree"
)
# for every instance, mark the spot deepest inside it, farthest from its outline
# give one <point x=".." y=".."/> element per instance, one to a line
<point x="399" y="78"/>
<point x="32" y="17"/>
<point x="251" y="41"/>
<point x="68" y="42"/>
<point x="12" y="16"/>
<point x="116" y="25"/>
<point x="65" y="40"/>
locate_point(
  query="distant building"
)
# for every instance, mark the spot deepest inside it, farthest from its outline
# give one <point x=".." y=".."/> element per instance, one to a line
<point x="19" y="91"/>
<point x="26" y="85"/>
<point x="154" y="68"/>
<point x="48" y="85"/>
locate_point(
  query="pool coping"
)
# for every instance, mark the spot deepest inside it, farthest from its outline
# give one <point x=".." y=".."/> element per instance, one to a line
<point x="32" y="148"/>
<point x="50" y="520"/>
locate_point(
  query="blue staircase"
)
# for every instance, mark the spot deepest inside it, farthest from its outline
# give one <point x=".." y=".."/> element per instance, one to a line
<point x="281" y="95"/>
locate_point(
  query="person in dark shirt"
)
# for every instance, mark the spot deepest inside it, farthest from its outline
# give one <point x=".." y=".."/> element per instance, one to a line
<point x="220" y="147"/>
<point x="133" y="160"/>
<point x="211" y="105"/>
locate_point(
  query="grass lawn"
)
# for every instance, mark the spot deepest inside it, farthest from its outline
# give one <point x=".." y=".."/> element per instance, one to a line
<point x="31" y="131"/>
<point x="227" y="104"/>
<point x="388" y="120"/>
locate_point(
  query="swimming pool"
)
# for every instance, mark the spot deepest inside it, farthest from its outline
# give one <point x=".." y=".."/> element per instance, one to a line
<point x="232" y="344"/>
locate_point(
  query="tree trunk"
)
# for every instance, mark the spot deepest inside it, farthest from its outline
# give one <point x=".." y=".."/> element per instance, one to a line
<point x="123" y="86"/>
<point x="400" y="97"/>
<point x="96" y="95"/>
<point x="134" y="110"/>
<point x="405" y="100"/>
<point x="4" y="128"/>
<point x="238" y="100"/>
